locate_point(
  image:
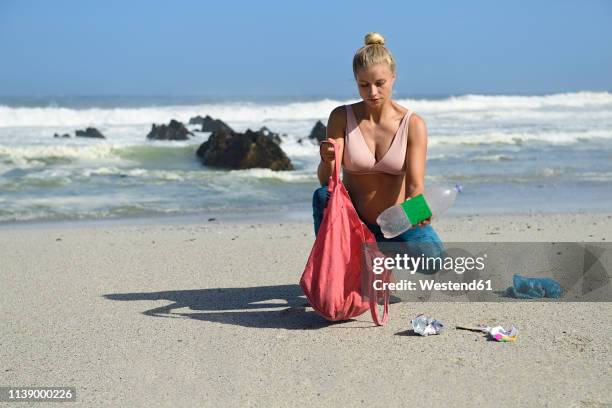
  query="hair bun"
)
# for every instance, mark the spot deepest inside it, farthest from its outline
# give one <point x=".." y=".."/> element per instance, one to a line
<point x="374" y="38"/>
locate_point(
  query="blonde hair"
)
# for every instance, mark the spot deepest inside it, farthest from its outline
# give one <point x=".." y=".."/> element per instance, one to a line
<point x="372" y="53"/>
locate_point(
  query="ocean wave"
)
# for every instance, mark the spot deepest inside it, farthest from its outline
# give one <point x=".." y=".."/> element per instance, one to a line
<point x="40" y="155"/>
<point x="53" y="213"/>
<point x="493" y="157"/>
<point x="267" y="174"/>
<point x="21" y="177"/>
<point x="239" y="113"/>
<point x="26" y="156"/>
<point x="604" y="176"/>
<point x="546" y="174"/>
<point x="202" y="174"/>
<point x="594" y="100"/>
<point x="229" y="112"/>
<point x="294" y="149"/>
<point x="33" y="183"/>
<point x="518" y="138"/>
<point x="167" y="175"/>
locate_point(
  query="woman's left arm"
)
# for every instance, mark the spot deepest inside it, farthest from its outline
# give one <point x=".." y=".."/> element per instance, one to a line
<point x="416" y="157"/>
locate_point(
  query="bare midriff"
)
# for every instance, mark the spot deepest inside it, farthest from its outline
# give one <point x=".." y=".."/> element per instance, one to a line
<point x="373" y="193"/>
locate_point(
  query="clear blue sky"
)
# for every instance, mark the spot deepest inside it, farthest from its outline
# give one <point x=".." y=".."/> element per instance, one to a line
<point x="301" y="48"/>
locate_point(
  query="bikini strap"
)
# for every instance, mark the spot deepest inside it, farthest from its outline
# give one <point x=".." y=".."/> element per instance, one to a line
<point x="406" y="128"/>
<point x="351" y="120"/>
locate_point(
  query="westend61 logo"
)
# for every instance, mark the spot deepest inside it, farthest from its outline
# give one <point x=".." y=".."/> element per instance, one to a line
<point x="426" y="264"/>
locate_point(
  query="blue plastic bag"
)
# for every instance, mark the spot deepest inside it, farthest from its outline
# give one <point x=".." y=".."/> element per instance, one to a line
<point x="534" y="288"/>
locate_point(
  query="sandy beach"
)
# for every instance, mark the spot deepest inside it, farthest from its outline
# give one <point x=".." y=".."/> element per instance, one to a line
<point x="211" y="314"/>
<point x="159" y="169"/>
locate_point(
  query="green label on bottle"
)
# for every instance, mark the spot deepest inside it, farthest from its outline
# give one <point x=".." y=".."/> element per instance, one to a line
<point x="416" y="209"/>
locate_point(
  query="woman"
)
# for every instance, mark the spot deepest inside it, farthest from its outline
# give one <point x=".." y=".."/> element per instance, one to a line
<point x="382" y="146"/>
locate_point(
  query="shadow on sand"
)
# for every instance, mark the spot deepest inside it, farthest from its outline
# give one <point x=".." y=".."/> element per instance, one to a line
<point x="248" y="307"/>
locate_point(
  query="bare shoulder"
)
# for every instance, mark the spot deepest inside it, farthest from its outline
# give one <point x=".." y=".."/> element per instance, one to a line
<point x="338" y="114"/>
<point x="336" y="124"/>
<point x="417" y="126"/>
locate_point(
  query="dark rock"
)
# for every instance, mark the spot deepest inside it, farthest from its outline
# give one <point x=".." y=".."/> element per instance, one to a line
<point x="318" y="132"/>
<point x="275" y="137"/>
<point x="65" y="135"/>
<point x="90" y="132"/>
<point x="196" y="120"/>
<point x="243" y="151"/>
<point x="209" y="124"/>
<point x="175" y="130"/>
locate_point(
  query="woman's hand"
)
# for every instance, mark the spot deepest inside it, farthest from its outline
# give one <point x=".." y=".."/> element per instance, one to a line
<point x="424" y="222"/>
<point x="326" y="150"/>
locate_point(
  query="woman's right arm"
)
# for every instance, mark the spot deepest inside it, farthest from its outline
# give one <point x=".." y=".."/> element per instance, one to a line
<point x="336" y="125"/>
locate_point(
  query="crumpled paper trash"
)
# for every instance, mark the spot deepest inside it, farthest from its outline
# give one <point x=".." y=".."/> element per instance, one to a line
<point x="425" y="325"/>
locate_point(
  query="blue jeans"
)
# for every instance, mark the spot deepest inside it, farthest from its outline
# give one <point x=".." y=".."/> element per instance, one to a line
<point x="417" y="240"/>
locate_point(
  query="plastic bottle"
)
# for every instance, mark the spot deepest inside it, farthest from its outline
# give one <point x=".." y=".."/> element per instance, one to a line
<point x="424" y="325"/>
<point x="393" y="221"/>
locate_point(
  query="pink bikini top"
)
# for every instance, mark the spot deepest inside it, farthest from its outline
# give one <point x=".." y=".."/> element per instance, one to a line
<point x="359" y="159"/>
